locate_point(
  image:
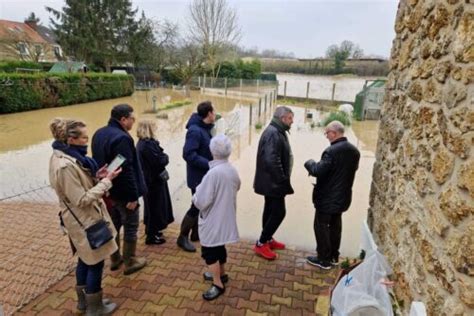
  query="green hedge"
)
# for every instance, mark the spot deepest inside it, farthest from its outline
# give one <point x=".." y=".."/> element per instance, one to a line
<point x="24" y="92"/>
<point x="12" y="65"/>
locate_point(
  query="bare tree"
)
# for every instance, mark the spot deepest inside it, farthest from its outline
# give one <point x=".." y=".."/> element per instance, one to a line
<point x="213" y="26"/>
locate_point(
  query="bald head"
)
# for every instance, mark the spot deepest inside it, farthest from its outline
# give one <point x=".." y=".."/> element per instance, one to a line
<point x="334" y="131"/>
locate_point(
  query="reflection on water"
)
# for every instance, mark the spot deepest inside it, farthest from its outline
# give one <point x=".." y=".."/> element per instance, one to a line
<point x="25" y="151"/>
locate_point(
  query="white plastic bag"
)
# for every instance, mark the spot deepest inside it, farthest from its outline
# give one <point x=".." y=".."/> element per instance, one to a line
<point x="360" y="291"/>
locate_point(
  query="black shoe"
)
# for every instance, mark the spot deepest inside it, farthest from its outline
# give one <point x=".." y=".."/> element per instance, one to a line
<point x="335" y="261"/>
<point x="318" y="263"/>
<point x="208" y="277"/>
<point x="213" y="293"/>
<point x="155" y="240"/>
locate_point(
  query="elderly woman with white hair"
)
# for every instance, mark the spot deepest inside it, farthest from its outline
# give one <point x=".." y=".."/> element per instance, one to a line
<point x="216" y="199"/>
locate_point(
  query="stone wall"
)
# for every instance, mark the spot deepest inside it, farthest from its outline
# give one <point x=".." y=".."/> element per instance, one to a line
<point x="421" y="203"/>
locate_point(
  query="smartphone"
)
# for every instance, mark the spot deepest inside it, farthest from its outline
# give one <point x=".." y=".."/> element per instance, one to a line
<point x="116" y="163"/>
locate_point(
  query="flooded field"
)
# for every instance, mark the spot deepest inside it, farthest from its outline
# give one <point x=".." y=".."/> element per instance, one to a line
<point x="25" y="150"/>
<point x="321" y="86"/>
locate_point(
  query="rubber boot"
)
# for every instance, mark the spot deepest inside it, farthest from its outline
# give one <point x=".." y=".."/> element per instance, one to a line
<point x="116" y="258"/>
<point x="81" y="299"/>
<point x="183" y="241"/>
<point x="132" y="263"/>
<point x="195" y="231"/>
<point x="96" y="307"/>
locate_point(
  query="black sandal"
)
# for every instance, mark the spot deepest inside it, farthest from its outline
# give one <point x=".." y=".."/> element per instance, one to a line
<point x="213" y="292"/>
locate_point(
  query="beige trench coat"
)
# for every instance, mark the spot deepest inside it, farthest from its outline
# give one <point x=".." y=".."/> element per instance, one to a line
<point x="74" y="185"/>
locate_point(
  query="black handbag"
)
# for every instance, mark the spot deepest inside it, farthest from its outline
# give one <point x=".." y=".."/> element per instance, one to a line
<point x="98" y="234"/>
<point x="164" y="175"/>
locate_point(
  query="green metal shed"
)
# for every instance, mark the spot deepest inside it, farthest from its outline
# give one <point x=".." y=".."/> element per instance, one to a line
<point x="368" y="102"/>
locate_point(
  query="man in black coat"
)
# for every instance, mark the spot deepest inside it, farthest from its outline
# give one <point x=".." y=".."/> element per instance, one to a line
<point x="197" y="155"/>
<point x="107" y="143"/>
<point x="272" y="179"/>
<point x="332" y="193"/>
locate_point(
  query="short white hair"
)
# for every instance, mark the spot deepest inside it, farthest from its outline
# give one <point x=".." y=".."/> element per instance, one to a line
<point x="335" y="126"/>
<point x="220" y="147"/>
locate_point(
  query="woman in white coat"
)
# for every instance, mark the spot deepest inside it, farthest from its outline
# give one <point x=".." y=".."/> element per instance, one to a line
<point x="216" y="199"/>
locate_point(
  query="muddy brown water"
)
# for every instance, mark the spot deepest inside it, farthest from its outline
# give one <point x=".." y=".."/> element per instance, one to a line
<point x="25" y="150"/>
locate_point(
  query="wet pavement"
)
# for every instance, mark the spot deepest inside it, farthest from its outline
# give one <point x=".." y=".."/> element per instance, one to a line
<point x="172" y="284"/>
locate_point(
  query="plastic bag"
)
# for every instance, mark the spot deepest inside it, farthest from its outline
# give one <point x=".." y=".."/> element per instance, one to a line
<point x="360" y="291"/>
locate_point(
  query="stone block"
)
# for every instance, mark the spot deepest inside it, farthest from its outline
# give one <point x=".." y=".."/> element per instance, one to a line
<point x="454" y="207"/>
<point x="443" y="165"/>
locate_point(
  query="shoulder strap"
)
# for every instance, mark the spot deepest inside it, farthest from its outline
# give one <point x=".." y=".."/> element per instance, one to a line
<point x="74" y="215"/>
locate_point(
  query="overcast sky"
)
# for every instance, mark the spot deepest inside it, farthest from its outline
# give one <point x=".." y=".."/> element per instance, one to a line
<point x="305" y="28"/>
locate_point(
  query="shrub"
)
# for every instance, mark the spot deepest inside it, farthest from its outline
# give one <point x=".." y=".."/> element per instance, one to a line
<point x="11" y="65"/>
<point x="337" y="116"/>
<point x="23" y="92"/>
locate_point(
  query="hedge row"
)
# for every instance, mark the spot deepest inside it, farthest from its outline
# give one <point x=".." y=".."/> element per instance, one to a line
<point x="24" y="92"/>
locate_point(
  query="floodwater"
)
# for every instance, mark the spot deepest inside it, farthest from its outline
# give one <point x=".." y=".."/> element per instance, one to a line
<point x="25" y="150"/>
<point x="320" y="87"/>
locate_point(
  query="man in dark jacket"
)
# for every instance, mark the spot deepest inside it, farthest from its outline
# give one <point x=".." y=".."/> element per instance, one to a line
<point x="197" y="154"/>
<point x="107" y="143"/>
<point x="332" y="193"/>
<point x="272" y="179"/>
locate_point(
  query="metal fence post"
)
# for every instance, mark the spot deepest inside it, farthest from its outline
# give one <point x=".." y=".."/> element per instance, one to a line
<point x="307" y="91"/>
<point x="250" y="115"/>
<point x="240" y="87"/>
<point x="284" y="90"/>
<point x="225" y="85"/>
<point x="258" y="84"/>
<point x="271" y="99"/>
<point x="265" y="106"/>
<point x="199" y="82"/>
<point x="333" y="91"/>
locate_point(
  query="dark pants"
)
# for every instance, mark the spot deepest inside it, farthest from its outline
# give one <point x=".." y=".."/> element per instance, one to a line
<point x="193" y="210"/>
<point x="274" y="212"/>
<point x="90" y="276"/>
<point x="122" y="216"/>
<point x="327" y="229"/>
<point x="213" y="254"/>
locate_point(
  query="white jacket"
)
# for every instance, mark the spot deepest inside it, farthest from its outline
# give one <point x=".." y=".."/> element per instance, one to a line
<point x="216" y="198"/>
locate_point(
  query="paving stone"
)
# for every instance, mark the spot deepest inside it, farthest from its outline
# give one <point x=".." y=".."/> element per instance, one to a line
<point x="290" y="311"/>
<point x="244" y="294"/>
<point x="245" y="304"/>
<point x="212" y="307"/>
<point x="292" y="294"/>
<point x="272" y="290"/>
<point x="170" y="311"/>
<point x="190" y="294"/>
<point x="233" y="311"/>
<point x="255" y="296"/>
<point x="269" y="308"/>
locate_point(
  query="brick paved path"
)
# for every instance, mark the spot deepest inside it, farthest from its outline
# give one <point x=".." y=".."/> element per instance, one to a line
<point x="172" y="284"/>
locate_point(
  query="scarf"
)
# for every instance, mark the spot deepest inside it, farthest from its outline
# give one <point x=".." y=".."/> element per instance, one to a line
<point x="78" y="152"/>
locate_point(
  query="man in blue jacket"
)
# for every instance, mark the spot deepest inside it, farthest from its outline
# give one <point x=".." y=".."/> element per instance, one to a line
<point x="332" y="193"/>
<point x="197" y="154"/>
<point x="107" y="143"/>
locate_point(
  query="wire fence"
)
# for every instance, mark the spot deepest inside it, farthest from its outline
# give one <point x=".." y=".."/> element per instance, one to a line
<point x="34" y="254"/>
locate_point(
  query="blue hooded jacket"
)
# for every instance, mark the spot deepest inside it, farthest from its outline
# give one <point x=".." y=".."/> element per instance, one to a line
<point x="196" y="150"/>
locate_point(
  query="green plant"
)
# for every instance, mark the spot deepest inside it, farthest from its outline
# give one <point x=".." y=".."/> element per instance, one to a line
<point x="312" y="125"/>
<point x="336" y="116"/>
<point x="345" y="264"/>
<point x="286" y="101"/>
<point x="176" y="104"/>
<point x="258" y="125"/>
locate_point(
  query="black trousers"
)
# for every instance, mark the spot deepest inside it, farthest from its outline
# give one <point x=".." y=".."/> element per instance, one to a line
<point x="193" y="210"/>
<point x="274" y="212"/>
<point x="328" y="228"/>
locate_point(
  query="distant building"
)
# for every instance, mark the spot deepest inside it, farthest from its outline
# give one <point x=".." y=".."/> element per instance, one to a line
<point x="368" y="102"/>
<point x="28" y="41"/>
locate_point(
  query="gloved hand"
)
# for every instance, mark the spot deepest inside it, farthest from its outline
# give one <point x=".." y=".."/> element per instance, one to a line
<point x="308" y="164"/>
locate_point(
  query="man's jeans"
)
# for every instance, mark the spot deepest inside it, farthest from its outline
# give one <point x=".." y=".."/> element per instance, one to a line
<point x="90" y="276"/>
<point x="122" y="216"/>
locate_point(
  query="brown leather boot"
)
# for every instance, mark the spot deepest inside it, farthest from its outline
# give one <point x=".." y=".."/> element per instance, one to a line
<point x="132" y="263"/>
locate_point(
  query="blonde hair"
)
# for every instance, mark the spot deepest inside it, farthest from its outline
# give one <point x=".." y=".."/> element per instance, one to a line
<point x="62" y="128"/>
<point x="146" y="129"/>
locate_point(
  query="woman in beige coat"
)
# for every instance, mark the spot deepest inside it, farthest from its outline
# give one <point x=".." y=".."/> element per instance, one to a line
<point x="73" y="176"/>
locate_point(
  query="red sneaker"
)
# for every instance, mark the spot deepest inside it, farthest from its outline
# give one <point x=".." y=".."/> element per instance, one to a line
<point x="265" y="251"/>
<point x="276" y="245"/>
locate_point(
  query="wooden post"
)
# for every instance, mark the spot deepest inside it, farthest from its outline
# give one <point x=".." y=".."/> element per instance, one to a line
<point x="258" y="84"/>
<point x="333" y="91"/>
<point x="307" y="91"/>
<point x="199" y="82"/>
<point x="204" y="84"/>
<point x="271" y="99"/>
<point x="265" y="106"/>
<point x="259" y="107"/>
<point x="284" y="90"/>
<point x="225" y="85"/>
<point x="250" y="115"/>
<point x="240" y="87"/>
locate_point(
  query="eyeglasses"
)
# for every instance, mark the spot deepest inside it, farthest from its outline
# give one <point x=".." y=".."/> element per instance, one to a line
<point x="327" y="132"/>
